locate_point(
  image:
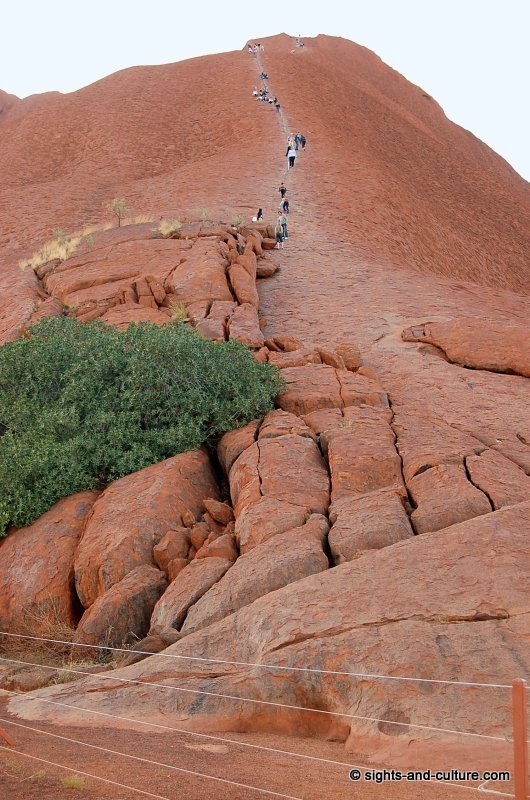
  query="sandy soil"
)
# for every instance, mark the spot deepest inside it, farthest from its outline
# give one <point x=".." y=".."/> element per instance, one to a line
<point x="22" y="777"/>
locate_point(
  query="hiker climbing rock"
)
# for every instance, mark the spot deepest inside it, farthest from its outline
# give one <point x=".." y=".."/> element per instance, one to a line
<point x="282" y="219"/>
<point x="291" y="155"/>
<point x="285" y="205"/>
<point x="279" y="235"/>
<point x="282" y="188"/>
<point x="259" y="215"/>
<point x="302" y="142"/>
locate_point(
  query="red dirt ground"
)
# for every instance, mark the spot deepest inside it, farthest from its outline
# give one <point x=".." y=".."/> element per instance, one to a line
<point x="287" y="775"/>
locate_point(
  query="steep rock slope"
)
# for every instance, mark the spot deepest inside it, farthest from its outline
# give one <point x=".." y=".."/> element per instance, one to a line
<point x="173" y="140"/>
<point x="408" y="187"/>
<point x="394" y="211"/>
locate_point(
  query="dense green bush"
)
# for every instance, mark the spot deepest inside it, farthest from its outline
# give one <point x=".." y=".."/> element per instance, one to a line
<point x="83" y="404"/>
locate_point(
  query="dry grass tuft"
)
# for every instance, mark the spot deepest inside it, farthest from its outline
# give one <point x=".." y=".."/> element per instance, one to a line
<point x="48" y="620"/>
<point x="73" y="782"/>
<point x="61" y="246"/>
<point x="178" y="312"/>
<point x="167" y="227"/>
<point x="140" y="219"/>
<point x="90" y="229"/>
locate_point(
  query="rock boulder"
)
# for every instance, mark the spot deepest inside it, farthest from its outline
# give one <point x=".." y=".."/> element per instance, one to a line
<point x="37" y="568"/>
<point x="133" y="514"/>
<point x="122" y="615"/>
<point x="189" y="585"/>
<point x="289" y="557"/>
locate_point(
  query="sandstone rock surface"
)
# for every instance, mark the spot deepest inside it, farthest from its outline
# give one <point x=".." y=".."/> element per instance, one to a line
<point x="503" y="482"/>
<point x="232" y="444"/>
<point x="366" y="523"/>
<point x="37" y="568"/>
<point x="243" y="325"/>
<point x="122" y="615"/>
<point x="133" y="514"/>
<point x="289" y="468"/>
<point x="186" y="589"/>
<point x="363" y="457"/>
<point x="467" y="620"/>
<point x="288" y="557"/>
<point x="265" y="518"/>
<point x="174" y="544"/>
<point x="444" y="496"/>
<point x="478" y="344"/>
<point x="313" y="387"/>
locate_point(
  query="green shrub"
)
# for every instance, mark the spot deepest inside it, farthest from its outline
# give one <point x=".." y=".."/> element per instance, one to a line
<point x="84" y="404"/>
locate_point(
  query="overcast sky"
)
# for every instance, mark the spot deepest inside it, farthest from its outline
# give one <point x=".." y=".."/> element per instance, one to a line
<point x="471" y="55"/>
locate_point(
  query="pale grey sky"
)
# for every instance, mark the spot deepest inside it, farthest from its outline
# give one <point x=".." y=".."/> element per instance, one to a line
<point x="472" y="56"/>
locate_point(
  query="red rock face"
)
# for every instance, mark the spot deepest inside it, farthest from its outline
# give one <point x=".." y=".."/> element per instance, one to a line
<point x="471" y="619"/>
<point x="189" y="585"/>
<point x="133" y="515"/>
<point x="398" y="316"/>
<point x="172" y="164"/>
<point x="289" y="557"/>
<point x="122" y="615"/>
<point x="478" y="344"/>
<point x="37" y="568"/>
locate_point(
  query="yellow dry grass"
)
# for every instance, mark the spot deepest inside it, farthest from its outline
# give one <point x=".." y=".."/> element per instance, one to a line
<point x="62" y="246"/>
<point x="140" y="219"/>
<point x="178" y="312"/>
<point x="73" y="782"/>
<point x="57" y="247"/>
<point x="167" y="227"/>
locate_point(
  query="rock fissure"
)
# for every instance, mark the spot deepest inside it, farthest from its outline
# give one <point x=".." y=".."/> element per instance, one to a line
<point x="473" y="483"/>
<point x="260" y="479"/>
<point x="441" y="619"/>
<point x="409" y="505"/>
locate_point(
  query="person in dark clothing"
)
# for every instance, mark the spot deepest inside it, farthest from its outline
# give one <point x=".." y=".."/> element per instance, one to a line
<point x="279" y="235"/>
<point x="285" y="205"/>
<point x="282" y="188"/>
<point x="259" y="215"/>
<point x="277" y="107"/>
<point x="302" y="142"/>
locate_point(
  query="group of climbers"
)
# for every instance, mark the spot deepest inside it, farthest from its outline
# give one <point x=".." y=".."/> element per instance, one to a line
<point x="294" y="143"/>
<point x="263" y="95"/>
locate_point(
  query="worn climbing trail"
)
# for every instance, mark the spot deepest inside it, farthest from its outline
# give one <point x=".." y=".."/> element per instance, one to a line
<point x="333" y="287"/>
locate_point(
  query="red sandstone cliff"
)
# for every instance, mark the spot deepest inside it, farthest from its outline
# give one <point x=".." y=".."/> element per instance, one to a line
<point x="408" y="237"/>
<point x="408" y="187"/>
